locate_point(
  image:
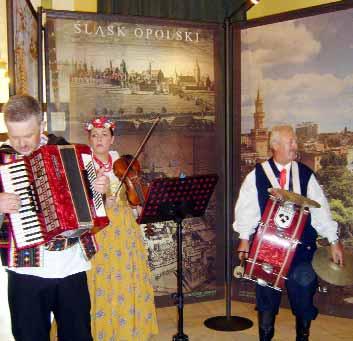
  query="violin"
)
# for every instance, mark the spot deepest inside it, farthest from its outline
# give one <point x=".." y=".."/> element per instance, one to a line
<point x="131" y="161"/>
<point x="128" y="170"/>
<point x="136" y="190"/>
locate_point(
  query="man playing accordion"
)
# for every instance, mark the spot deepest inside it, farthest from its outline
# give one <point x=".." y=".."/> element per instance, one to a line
<point x="45" y="278"/>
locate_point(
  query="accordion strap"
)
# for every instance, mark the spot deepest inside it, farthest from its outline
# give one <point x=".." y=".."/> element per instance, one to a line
<point x="89" y="245"/>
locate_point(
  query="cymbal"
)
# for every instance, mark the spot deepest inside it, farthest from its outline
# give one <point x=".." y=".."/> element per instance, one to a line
<point x="295" y="198"/>
<point x="331" y="272"/>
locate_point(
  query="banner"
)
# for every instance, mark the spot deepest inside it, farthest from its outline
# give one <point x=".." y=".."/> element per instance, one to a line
<point x="130" y="69"/>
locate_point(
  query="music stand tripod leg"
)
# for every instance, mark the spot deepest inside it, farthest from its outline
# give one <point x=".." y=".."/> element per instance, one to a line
<point x="174" y="199"/>
<point x="180" y="336"/>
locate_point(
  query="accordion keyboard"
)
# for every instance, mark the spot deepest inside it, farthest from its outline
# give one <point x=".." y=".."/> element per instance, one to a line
<point x="26" y="225"/>
<point x="97" y="197"/>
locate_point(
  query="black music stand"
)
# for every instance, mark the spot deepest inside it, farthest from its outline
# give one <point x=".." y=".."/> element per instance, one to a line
<point x="177" y="199"/>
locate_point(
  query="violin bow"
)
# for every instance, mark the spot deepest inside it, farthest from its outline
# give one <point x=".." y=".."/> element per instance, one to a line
<point x="137" y="153"/>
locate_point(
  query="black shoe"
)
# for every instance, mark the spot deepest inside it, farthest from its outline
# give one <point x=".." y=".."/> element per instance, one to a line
<point x="303" y="329"/>
<point x="266" y="325"/>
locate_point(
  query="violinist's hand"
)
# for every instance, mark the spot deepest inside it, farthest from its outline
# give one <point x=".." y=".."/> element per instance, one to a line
<point x="139" y="210"/>
<point x="101" y="184"/>
<point x="110" y="201"/>
<point x="9" y="203"/>
<point x="136" y="210"/>
<point x="243" y="249"/>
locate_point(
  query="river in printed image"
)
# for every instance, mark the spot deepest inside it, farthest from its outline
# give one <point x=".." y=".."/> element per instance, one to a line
<point x="87" y="99"/>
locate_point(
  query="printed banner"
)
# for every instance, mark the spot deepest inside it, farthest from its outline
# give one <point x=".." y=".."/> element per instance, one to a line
<point x="299" y="72"/>
<point x="130" y="71"/>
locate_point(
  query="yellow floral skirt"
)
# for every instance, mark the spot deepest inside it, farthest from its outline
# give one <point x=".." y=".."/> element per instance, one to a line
<point x="120" y="282"/>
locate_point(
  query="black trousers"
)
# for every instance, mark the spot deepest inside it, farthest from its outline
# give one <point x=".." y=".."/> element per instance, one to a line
<point x="301" y="288"/>
<point x="32" y="299"/>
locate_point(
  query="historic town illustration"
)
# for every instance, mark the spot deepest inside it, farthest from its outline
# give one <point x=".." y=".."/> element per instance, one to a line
<point x="132" y="93"/>
<point x="299" y="72"/>
<point x="330" y="155"/>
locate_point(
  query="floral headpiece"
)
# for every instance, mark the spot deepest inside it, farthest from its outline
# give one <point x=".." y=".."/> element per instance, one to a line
<point x="100" y="122"/>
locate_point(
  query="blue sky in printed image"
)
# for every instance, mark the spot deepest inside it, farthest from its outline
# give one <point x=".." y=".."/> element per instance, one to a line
<point x="304" y="69"/>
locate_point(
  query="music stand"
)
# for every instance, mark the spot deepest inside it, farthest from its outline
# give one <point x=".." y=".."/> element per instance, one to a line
<point x="176" y="199"/>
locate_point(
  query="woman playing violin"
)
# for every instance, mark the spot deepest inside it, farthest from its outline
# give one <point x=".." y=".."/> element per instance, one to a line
<point x="120" y="284"/>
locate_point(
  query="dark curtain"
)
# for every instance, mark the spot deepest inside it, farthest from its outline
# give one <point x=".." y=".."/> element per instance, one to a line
<point x="194" y="10"/>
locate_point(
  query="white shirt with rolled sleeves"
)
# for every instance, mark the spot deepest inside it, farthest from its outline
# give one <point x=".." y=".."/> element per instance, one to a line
<point x="247" y="210"/>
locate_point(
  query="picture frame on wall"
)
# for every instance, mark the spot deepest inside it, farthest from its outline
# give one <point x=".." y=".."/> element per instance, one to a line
<point x="23" y="48"/>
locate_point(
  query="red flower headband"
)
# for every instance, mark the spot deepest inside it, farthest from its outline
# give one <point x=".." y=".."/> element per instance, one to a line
<point x="100" y="122"/>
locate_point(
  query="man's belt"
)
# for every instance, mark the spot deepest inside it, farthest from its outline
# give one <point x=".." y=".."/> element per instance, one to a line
<point x="61" y="243"/>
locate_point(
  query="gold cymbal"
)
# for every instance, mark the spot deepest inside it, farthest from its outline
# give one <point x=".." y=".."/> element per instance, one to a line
<point x="295" y="198"/>
<point x="331" y="272"/>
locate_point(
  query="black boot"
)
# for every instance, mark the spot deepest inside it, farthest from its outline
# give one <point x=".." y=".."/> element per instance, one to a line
<point x="266" y="325"/>
<point x="303" y="329"/>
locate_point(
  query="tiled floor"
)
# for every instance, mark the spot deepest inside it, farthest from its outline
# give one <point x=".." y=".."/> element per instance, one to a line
<point x="325" y="328"/>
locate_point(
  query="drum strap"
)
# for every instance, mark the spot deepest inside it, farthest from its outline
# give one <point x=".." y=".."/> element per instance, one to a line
<point x="295" y="176"/>
<point x="273" y="179"/>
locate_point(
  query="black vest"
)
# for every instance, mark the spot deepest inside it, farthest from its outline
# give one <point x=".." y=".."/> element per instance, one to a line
<point x="262" y="184"/>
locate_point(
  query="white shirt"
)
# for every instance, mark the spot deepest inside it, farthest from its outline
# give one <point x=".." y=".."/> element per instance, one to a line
<point x="248" y="214"/>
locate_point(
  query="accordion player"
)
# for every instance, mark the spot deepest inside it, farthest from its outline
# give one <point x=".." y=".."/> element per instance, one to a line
<point x="57" y="196"/>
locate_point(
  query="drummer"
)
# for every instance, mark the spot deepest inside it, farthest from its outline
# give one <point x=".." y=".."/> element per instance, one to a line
<point x="283" y="171"/>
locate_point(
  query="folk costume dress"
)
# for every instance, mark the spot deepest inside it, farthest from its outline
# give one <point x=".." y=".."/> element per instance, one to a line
<point x="120" y="283"/>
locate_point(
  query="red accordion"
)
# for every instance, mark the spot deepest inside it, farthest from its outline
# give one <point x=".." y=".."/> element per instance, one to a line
<point x="57" y="197"/>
